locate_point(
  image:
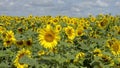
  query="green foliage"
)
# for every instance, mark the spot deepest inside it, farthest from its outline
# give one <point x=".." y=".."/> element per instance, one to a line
<point x="66" y="53"/>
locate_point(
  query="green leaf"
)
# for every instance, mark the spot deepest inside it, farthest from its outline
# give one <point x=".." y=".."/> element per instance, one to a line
<point x="59" y="58"/>
<point x="3" y="65"/>
<point x="2" y="53"/>
<point x="72" y="66"/>
<point x="25" y="59"/>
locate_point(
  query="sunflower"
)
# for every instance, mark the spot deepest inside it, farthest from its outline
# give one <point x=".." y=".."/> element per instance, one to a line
<point x="117" y="29"/>
<point x="19" y="56"/>
<point x="58" y="28"/>
<point x="19" y="43"/>
<point x="110" y="42"/>
<point x="10" y="35"/>
<point x="107" y="59"/>
<point x="28" y="42"/>
<point x="70" y="32"/>
<point x="8" y="38"/>
<point x="79" y="56"/>
<point x="79" y="31"/>
<point x="41" y="52"/>
<point x="48" y="37"/>
<point x="3" y="35"/>
<point x="103" y="23"/>
<point x="97" y="52"/>
<point x="20" y="30"/>
<point x="7" y="42"/>
<point x="55" y="21"/>
<point x="49" y="22"/>
<point x="114" y="46"/>
<point x="92" y="19"/>
<point x="2" y="29"/>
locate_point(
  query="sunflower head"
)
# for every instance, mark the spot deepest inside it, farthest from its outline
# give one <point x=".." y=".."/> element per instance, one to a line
<point x="2" y="29"/>
<point x="19" y="56"/>
<point x="117" y="29"/>
<point x="97" y="52"/>
<point x="92" y="19"/>
<point x="106" y="58"/>
<point x="80" y="55"/>
<point x="4" y="35"/>
<point x="19" y="43"/>
<point x="7" y="42"/>
<point x="20" y="30"/>
<point x="70" y="32"/>
<point x="28" y="42"/>
<point x="58" y="28"/>
<point x="103" y="23"/>
<point x="48" y="37"/>
<point x="79" y="31"/>
<point x="41" y="52"/>
<point x="114" y="46"/>
<point x="9" y="35"/>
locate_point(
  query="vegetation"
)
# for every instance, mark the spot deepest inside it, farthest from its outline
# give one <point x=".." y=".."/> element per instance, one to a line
<point x="60" y="42"/>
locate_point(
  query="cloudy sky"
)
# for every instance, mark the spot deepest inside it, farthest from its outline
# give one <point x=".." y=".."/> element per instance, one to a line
<point x="59" y="7"/>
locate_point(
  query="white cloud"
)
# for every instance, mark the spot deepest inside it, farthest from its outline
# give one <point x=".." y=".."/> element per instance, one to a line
<point x="27" y="5"/>
<point x="117" y="3"/>
<point x="46" y="1"/>
<point x="56" y="7"/>
<point x="1" y="3"/>
<point x="7" y="3"/>
<point x="85" y="5"/>
<point x="75" y="9"/>
<point x="41" y="1"/>
<point x="11" y="3"/>
<point x="60" y="1"/>
<point x="101" y="3"/>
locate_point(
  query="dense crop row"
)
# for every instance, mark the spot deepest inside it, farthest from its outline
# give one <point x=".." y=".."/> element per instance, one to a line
<point x="60" y="42"/>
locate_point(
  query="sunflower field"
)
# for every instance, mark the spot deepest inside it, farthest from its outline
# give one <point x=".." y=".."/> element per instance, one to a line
<point x="60" y="41"/>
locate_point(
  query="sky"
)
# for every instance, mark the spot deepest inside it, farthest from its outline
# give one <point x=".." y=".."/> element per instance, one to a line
<point x="76" y="8"/>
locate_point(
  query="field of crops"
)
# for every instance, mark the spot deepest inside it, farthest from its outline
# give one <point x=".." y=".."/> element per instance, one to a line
<point x="60" y="42"/>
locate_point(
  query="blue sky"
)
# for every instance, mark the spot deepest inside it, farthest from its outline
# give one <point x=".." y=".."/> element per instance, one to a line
<point x="75" y="8"/>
